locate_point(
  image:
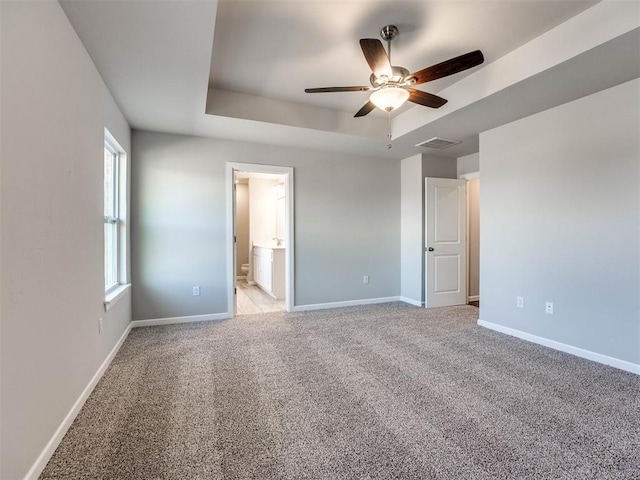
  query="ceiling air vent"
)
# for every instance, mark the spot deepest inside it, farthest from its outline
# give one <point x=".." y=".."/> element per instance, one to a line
<point x="438" y="143"/>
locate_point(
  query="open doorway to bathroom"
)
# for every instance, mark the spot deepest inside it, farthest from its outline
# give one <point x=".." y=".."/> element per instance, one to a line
<point x="261" y="240"/>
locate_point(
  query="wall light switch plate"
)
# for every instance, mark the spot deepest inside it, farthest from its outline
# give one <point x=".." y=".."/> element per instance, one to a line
<point x="520" y="302"/>
<point x="196" y="291"/>
<point x="365" y="279"/>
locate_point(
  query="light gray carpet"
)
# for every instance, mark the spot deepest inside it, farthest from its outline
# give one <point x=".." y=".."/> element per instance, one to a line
<point x="385" y="391"/>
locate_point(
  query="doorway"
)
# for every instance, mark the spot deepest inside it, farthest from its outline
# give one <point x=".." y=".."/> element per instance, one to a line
<point x="473" y="237"/>
<point x="260" y="245"/>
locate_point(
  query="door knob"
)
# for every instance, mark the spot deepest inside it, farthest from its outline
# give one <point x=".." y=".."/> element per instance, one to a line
<point x="430" y="249"/>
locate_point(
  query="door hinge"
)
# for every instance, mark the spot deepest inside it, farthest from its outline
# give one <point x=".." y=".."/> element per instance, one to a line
<point x="235" y="291"/>
<point x="235" y="240"/>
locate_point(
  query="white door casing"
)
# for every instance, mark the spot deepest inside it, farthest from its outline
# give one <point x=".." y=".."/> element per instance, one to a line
<point x="234" y="200"/>
<point x="287" y="172"/>
<point x="445" y="242"/>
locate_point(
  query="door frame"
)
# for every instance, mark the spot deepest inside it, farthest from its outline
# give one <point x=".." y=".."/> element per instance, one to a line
<point x="287" y="172"/>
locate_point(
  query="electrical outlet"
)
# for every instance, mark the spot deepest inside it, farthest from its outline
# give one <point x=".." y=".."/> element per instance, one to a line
<point x="520" y="302"/>
<point x="100" y="326"/>
<point x="548" y="308"/>
<point x="365" y="279"/>
<point x="196" y="291"/>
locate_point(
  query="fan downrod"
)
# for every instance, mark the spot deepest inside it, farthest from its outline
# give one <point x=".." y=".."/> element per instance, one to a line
<point x="388" y="32"/>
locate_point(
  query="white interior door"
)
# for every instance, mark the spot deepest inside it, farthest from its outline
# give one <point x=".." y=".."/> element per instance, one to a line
<point x="445" y="242"/>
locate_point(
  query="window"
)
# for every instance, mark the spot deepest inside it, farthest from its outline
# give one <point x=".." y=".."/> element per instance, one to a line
<point x="110" y="217"/>
<point x="114" y="214"/>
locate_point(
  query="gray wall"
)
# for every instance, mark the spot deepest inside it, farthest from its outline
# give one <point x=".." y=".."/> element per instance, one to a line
<point x="411" y="230"/>
<point x="54" y="111"/>
<point x="468" y="164"/>
<point x="347" y="223"/>
<point x="560" y="217"/>
<point x="439" y="167"/>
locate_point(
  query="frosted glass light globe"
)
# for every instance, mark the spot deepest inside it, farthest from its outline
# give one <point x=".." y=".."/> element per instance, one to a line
<point x="389" y="98"/>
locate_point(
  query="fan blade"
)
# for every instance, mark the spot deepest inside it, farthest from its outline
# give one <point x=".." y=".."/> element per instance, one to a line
<point x="336" y="89"/>
<point x="448" y="67"/>
<point x="366" y="109"/>
<point x="376" y="57"/>
<point x="424" y="98"/>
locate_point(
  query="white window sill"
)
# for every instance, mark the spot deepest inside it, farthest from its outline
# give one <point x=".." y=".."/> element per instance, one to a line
<point x="111" y="298"/>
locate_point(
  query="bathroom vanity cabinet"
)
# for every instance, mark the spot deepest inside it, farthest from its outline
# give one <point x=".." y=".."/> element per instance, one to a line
<point x="268" y="270"/>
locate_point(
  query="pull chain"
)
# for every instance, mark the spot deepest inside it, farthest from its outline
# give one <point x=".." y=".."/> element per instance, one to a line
<point x="389" y="132"/>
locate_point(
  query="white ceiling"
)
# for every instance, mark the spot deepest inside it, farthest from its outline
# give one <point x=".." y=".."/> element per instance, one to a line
<point x="276" y="49"/>
<point x="158" y="61"/>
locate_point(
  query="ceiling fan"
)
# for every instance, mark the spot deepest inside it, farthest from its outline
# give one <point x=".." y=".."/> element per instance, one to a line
<point x="391" y="85"/>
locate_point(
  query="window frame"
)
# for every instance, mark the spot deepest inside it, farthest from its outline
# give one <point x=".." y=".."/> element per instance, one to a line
<point x="112" y="219"/>
<point x="120" y="182"/>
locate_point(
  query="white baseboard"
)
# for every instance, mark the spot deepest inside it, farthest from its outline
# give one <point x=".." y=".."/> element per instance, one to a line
<point x="46" y="454"/>
<point x="349" y="303"/>
<point x="411" y="301"/>
<point x="473" y="298"/>
<point x="171" y="320"/>
<point x="563" y="347"/>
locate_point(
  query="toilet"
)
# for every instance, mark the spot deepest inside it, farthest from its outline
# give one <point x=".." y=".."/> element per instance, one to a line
<point x="245" y="268"/>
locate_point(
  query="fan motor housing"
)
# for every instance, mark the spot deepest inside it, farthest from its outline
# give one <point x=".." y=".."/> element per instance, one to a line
<point x="398" y="78"/>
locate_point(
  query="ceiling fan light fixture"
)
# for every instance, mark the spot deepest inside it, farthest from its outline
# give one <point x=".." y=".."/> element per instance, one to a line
<point x="389" y="98"/>
<point x="391" y="85"/>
